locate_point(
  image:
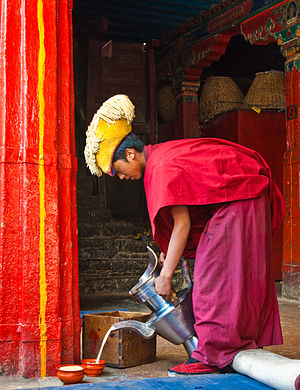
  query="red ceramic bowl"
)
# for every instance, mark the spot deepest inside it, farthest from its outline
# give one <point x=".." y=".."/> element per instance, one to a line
<point x="91" y="368"/>
<point x="70" y="373"/>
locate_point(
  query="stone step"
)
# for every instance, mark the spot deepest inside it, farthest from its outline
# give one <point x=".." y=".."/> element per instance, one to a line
<point x="88" y="229"/>
<point x="91" y="202"/>
<point x="96" y="286"/>
<point x="122" y="228"/>
<point x="112" y="229"/>
<point x="116" y="256"/>
<point x="93" y="215"/>
<point x="95" y="283"/>
<point x="94" y="253"/>
<point x="94" y="244"/>
<point x="135" y="266"/>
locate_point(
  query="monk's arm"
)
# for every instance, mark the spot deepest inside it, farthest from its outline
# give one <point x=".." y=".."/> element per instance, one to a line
<point x="179" y="236"/>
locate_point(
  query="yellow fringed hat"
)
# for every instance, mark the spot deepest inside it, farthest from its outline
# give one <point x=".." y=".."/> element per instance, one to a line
<point x="109" y="126"/>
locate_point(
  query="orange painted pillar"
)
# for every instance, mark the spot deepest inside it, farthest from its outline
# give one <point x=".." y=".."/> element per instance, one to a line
<point x="34" y="158"/>
<point x="291" y="249"/>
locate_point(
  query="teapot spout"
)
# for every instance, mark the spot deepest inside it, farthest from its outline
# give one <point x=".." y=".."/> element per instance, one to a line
<point x="139" y="327"/>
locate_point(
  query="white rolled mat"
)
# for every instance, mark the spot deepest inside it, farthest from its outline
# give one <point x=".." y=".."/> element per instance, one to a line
<point x="269" y="368"/>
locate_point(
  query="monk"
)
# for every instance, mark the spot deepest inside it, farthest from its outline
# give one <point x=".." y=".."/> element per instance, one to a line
<point x="215" y="201"/>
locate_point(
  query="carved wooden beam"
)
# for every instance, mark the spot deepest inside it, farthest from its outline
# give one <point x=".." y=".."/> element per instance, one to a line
<point x="192" y="61"/>
<point x="265" y="27"/>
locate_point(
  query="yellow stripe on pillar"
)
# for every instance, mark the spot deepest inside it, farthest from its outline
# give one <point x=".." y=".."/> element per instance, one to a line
<point x="41" y="100"/>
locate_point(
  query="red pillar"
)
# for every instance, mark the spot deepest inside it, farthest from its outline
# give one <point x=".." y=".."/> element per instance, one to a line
<point x="187" y="123"/>
<point x="67" y="168"/>
<point x="291" y="248"/>
<point x="31" y="212"/>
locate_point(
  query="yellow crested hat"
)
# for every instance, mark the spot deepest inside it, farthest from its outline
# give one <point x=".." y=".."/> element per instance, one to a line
<point x="109" y="126"/>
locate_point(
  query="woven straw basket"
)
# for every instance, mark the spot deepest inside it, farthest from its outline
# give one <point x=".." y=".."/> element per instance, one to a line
<point x="219" y="94"/>
<point x="167" y="107"/>
<point x="266" y="91"/>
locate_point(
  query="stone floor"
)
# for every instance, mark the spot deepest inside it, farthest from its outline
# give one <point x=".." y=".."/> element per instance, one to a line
<point x="167" y="353"/>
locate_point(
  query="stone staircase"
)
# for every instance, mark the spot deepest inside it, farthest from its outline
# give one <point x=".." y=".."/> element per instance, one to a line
<point x="112" y="253"/>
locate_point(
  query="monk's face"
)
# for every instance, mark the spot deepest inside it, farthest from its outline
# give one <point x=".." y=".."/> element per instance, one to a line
<point x="132" y="169"/>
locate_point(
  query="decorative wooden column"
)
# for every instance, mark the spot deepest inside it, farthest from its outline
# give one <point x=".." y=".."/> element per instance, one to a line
<point x="39" y="312"/>
<point x="187" y="124"/>
<point x="290" y="46"/>
<point x="281" y="23"/>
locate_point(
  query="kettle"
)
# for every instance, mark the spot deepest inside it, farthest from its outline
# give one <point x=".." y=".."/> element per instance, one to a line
<point x="174" y="321"/>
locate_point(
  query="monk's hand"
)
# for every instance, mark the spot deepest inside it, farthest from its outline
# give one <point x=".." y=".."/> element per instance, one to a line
<point x="162" y="258"/>
<point x="162" y="286"/>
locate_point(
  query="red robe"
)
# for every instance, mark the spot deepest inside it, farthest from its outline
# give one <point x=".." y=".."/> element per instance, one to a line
<point x="203" y="171"/>
<point x="232" y="199"/>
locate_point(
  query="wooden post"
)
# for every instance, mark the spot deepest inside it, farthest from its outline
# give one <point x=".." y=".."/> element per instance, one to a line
<point x="290" y="47"/>
<point x="187" y="124"/>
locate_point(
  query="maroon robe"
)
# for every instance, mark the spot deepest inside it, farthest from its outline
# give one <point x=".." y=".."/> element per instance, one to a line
<point x="232" y="201"/>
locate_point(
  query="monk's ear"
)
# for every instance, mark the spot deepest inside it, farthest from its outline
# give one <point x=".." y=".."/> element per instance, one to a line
<point x="130" y="154"/>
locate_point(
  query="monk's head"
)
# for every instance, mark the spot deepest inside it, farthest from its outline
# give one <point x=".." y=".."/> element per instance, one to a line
<point x="128" y="160"/>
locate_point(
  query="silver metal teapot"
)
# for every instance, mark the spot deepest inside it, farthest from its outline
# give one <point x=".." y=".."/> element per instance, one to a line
<point x="174" y="320"/>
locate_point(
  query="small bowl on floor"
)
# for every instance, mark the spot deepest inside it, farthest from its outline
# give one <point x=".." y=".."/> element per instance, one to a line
<point x="70" y="373"/>
<point x="91" y="368"/>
